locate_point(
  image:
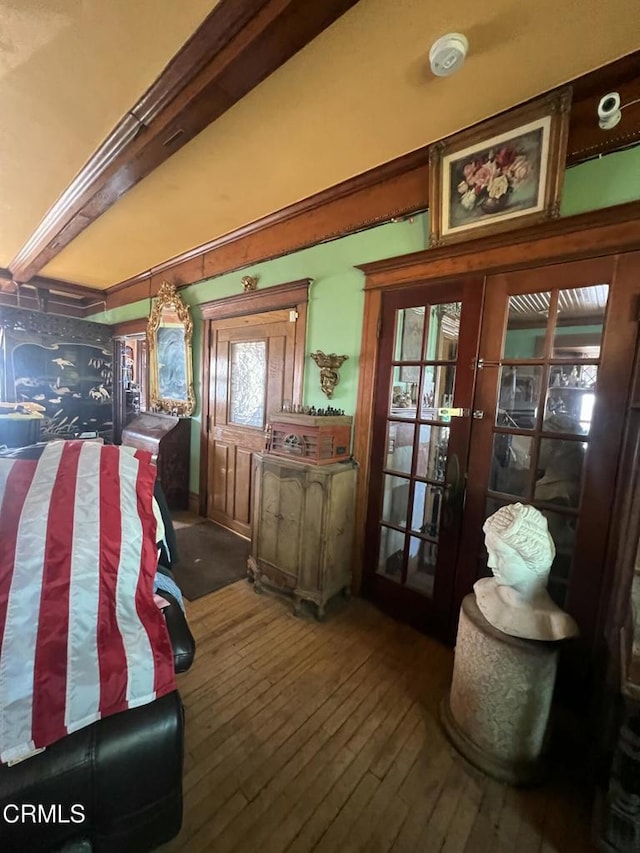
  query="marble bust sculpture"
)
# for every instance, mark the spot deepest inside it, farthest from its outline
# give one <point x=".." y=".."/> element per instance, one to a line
<point x="515" y="599"/>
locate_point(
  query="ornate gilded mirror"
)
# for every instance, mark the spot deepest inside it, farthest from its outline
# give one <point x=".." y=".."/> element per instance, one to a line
<point x="170" y="359"/>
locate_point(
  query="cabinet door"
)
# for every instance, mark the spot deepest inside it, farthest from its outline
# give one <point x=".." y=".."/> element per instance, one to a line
<point x="339" y="524"/>
<point x="313" y="535"/>
<point x="282" y="500"/>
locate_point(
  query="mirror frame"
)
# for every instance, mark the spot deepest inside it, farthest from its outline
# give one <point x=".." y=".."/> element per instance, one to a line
<point x="169" y="297"/>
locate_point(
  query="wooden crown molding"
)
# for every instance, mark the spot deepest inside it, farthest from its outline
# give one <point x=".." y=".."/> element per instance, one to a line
<point x="395" y="189"/>
<point x="130" y="327"/>
<point x="257" y="301"/>
<point x="238" y="45"/>
<point x="605" y="231"/>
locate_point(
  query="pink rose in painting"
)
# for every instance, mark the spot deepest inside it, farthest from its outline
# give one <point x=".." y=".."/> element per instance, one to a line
<point x="470" y="170"/>
<point x="484" y="175"/>
<point x="519" y="171"/>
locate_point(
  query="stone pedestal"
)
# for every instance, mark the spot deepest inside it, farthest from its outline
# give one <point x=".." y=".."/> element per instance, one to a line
<point x="498" y="710"/>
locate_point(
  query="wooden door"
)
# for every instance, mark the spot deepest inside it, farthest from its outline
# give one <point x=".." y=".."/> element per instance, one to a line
<point x="251" y="372"/>
<point x="555" y="364"/>
<point x="422" y="418"/>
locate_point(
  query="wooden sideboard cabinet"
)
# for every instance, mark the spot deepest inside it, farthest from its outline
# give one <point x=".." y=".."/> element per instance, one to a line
<point x="302" y="527"/>
<point x="168" y="438"/>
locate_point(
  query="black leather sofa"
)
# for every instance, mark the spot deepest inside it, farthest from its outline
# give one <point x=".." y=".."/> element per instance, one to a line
<point x="113" y="786"/>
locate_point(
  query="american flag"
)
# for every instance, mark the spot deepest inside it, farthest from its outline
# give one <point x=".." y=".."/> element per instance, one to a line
<point x="80" y="635"/>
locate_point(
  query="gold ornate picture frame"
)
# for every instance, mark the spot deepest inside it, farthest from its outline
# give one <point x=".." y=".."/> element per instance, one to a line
<point x="501" y="174"/>
<point x="169" y="340"/>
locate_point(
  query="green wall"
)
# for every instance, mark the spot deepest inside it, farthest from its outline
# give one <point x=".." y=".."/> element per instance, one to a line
<point x="336" y="297"/>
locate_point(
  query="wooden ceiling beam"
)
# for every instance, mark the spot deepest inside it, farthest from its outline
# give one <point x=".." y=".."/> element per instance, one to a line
<point x="238" y="45"/>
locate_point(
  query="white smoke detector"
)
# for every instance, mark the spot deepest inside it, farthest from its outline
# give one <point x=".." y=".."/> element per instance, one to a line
<point x="448" y="53"/>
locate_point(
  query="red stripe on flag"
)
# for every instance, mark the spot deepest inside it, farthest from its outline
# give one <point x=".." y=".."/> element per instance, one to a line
<point x="148" y="612"/>
<point x="16" y="489"/>
<point x="111" y="652"/>
<point x="50" y="675"/>
<point x="143" y="456"/>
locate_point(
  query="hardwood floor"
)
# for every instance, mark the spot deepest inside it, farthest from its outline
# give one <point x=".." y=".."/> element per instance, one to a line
<point x="306" y="736"/>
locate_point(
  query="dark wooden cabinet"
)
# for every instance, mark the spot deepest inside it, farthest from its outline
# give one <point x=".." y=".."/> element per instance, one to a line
<point x="168" y="438"/>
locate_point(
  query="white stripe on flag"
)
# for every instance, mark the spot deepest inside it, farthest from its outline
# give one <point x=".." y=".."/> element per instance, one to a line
<point x="83" y="671"/>
<point x="17" y="663"/>
<point x="5" y="469"/>
<point x="140" y="661"/>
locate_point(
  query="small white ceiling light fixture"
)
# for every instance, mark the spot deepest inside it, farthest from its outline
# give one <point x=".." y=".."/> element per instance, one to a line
<point x="448" y="53"/>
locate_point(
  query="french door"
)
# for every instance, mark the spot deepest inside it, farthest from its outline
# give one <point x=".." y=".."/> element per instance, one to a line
<point x="423" y="401"/>
<point x="522" y="400"/>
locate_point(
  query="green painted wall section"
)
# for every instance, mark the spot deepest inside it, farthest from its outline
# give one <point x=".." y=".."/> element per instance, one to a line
<point x="336" y="298"/>
<point x="614" y="179"/>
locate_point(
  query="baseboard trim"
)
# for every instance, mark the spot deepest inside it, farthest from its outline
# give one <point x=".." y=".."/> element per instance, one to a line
<point x="194" y="503"/>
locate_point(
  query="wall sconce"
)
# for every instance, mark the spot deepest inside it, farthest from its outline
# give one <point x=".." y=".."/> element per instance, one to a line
<point x="329" y="366"/>
<point x="249" y="282"/>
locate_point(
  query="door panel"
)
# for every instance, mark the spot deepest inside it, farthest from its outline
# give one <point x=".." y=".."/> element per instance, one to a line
<point x="251" y="372"/>
<point x="428" y="348"/>
<point x="552" y="387"/>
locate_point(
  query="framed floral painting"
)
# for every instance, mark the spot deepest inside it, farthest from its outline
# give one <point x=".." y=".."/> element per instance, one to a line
<point x="501" y="174"/>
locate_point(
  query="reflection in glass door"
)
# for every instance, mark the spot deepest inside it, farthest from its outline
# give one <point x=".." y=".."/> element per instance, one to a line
<point x="547" y="386"/>
<point x="423" y="400"/>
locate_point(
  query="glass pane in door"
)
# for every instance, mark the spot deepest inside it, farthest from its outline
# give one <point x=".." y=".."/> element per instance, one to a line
<point x="421" y="565"/>
<point x="396" y="500"/>
<point x="437" y="389"/>
<point x="528" y="315"/>
<point x="248" y="383"/>
<point x="431" y="461"/>
<point x="580" y="322"/>
<point x="400" y="446"/>
<point x="391" y="553"/>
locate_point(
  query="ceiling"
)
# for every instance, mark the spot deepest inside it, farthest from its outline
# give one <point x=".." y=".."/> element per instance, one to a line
<point x="358" y="95"/>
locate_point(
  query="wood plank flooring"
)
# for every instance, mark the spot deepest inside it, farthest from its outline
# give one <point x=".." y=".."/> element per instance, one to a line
<point x="304" y="736"/>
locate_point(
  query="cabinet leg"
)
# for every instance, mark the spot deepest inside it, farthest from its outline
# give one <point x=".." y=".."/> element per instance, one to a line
<point x="297" y="605"/>
<point x="257" y="586"/>
<point x="320" y="613"/>
<point x="252" y="567"/>
<point x="346" y="591"/>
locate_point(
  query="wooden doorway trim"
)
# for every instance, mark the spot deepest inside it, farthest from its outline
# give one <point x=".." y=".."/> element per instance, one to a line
<point x="293" y="295"/>
<point x="605" y="232"/>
